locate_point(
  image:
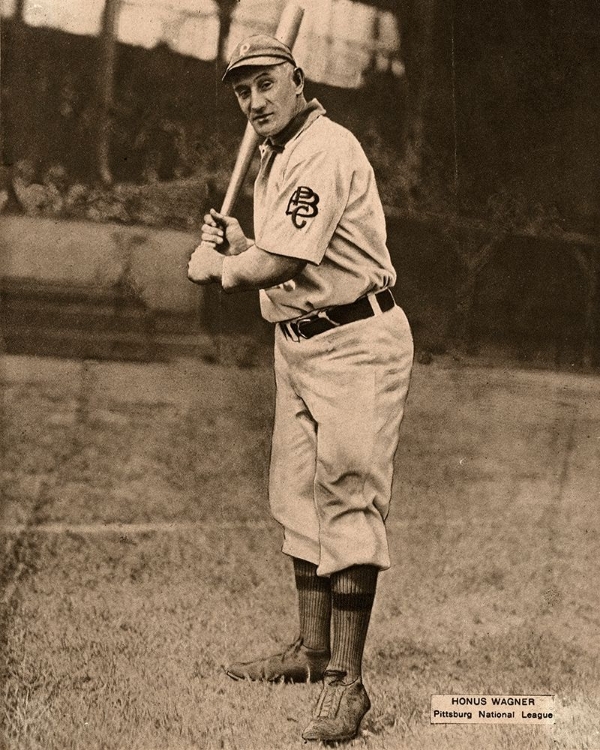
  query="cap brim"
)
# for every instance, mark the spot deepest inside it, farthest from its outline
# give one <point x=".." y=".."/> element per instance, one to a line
<point x="255" y="62"/>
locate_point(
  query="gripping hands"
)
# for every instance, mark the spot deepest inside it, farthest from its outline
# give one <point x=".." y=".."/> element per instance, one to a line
<point x="221" y="235"/>
<point x="225" y="233"/>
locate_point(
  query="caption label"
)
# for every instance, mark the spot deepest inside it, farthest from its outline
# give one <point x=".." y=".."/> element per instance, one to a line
<point x="492" y="709"/>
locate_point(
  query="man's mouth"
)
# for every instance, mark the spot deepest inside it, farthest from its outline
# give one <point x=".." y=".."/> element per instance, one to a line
<point x="261" y="119"/>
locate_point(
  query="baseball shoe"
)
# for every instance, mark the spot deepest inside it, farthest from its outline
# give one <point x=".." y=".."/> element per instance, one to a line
<point x="339" y="710"/>
<point x="296" y="663"/>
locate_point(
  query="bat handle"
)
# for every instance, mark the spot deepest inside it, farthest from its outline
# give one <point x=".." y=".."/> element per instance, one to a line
<point x="246" y="154"/>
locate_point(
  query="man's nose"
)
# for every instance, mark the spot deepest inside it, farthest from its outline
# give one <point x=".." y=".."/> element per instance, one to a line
<point x="257" y="101"/>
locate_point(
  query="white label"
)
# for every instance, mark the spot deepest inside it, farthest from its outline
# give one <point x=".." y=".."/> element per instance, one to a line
<point x="492" y="709"/>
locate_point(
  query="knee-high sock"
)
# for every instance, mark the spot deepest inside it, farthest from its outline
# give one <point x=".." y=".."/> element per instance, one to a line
<point x="352" y="596"/>
<point x="314" y="605"/>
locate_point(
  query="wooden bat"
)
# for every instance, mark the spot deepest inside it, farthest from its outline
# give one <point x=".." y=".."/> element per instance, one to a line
<point x="287" y="31"/>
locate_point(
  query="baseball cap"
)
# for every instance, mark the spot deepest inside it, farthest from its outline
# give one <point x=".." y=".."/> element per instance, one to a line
<point x="258" y="50"/>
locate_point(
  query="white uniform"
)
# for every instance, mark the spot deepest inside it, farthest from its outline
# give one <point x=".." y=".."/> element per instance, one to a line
<point x="317" y="200"/>
<point x="341" y="393"/>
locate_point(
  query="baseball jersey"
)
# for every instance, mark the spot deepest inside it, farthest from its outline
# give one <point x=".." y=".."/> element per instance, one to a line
<point x="315" y="199"/>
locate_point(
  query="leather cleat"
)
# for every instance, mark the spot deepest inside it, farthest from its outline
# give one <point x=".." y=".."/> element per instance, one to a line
<point x="296" y="663"/>
<point x="339" y="710"/>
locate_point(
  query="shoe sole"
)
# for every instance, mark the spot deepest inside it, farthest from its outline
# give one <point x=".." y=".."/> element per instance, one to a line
<point x="339" y="738"/>
<point x="235" y="677"/>
<point x="239" y="678"/>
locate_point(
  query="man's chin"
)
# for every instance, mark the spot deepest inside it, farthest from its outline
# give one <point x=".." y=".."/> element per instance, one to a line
<point x="264" y="131"/>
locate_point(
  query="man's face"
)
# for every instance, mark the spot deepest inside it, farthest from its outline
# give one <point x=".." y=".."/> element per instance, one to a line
<point x="268" y="96"/>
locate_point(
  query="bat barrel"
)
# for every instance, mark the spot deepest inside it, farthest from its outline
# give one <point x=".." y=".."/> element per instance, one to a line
<point x="289" y="24"/>
<point x="287" y="31"/>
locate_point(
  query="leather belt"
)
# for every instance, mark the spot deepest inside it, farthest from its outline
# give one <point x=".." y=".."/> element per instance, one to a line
<point x="333" y="317"/>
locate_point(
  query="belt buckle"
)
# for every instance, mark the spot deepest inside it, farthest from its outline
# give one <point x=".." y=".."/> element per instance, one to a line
<point x="319" y="315"/>
<point x="290" y="332"/>
<point x="298" y="327"/>
<point x="294" y="327"/>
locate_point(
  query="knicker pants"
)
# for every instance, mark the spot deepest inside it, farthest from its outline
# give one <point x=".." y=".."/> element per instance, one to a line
<point x="339" y="404"/>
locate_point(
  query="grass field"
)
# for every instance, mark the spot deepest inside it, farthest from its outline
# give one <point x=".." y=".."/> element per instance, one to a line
<point x="139" y="558"/>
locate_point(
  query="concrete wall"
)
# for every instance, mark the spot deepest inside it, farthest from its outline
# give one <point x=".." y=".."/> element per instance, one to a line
<point x="81" y="253"/>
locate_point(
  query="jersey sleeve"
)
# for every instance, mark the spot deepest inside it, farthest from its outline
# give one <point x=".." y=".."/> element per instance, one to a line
<point x="310" y="201"/>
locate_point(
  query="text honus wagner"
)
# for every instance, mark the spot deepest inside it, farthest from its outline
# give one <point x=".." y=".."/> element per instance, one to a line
<point x="492" y="709"/>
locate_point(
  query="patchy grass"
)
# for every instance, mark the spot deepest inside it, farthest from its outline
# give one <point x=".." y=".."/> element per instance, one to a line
<point x="117" y="639"/>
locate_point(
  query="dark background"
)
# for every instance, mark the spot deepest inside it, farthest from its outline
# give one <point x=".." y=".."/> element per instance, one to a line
<point x="486" y="153"/>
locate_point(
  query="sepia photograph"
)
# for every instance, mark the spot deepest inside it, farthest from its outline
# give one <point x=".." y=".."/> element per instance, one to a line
<point x="299" y="374"/>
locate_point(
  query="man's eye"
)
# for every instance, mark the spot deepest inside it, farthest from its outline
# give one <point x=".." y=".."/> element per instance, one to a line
<point x="266" y="85"/>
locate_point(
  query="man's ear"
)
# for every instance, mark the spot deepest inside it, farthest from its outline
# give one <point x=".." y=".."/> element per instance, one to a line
<point x="298" y="78"/>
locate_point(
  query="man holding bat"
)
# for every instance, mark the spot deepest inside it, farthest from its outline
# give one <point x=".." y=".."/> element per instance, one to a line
<point x="343" y="357"/>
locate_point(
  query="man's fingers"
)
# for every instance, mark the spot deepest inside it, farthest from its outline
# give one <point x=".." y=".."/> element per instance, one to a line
<point x="208" y="219"/>
<point x="212" y="233"/>
<point x="222" y="220"/>
<point x="212" y="238"/>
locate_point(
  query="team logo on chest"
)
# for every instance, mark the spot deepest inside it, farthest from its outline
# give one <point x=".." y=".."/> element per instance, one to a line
<point x="302" y="206"/>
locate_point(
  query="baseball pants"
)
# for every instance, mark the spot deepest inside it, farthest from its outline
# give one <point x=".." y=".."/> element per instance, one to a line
<point x="339" y="404"/>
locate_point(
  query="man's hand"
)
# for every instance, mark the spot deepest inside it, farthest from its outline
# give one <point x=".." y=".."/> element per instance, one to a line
<point x="205" y="265"/>
<point x="225" y="233"/>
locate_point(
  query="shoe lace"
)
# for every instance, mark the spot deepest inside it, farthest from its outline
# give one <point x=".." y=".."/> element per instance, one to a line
<point x="330" y="697"/>
<point x="334" y="676"/>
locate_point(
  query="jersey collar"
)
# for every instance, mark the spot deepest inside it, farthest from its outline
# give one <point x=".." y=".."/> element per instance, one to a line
<point x="298" y="123"/>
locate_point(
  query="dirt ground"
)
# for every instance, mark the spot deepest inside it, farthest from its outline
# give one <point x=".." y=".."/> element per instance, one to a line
<point x="139" y="557"/>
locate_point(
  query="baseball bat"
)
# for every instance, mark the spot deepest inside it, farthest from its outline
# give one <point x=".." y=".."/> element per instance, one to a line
<point x="287" y="32"/>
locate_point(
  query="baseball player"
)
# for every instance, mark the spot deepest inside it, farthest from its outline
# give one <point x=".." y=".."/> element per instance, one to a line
<point x="343" y="357"/>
